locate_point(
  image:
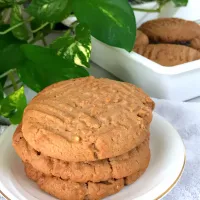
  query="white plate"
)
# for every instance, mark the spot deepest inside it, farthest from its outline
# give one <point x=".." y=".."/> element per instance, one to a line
<point x="166" y="167"/>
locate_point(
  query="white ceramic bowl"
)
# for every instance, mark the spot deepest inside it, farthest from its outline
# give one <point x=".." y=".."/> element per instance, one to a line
<point x="176" y="83"/>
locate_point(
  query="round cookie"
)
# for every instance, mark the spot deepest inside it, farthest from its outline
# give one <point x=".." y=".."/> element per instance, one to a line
<point x="87" y="119"/>
<point x="141" y="39"/>
<point x="168" y="54"/>
<point x="95" y="171"/>
<point x="66" y="189"/>
<point x="170" y="30"/>
<point x="195" y="43"/>
<point x="133" y="177"/>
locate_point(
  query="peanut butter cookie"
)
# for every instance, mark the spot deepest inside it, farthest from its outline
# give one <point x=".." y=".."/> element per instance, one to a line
<point x="141" y="39"/>
<point x="95" y="171"/>
<point x="87" y="119"/>
<point x="170" y="30"/>
<point x="66" y="189"/>
<point x="168" y="54"/>
<point x="195" y="43"/>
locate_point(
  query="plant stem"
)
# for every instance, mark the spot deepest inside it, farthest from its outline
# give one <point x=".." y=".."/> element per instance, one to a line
<point x="44" y="41"/>
<point x="11" y="85"/>
<point x="16" y="26"/>
<point x="41" y="27"/>
<point x="6" y="73"/>
<point x="12" y="79"/>
<point x="146" y="10"/>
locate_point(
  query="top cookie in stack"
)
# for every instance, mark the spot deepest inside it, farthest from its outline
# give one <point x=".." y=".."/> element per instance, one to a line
<point x="87" y="119"/>
<point x="85" y="136"/>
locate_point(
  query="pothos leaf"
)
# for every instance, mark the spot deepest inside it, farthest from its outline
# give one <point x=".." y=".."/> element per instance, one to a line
<point x="43" y="67"/>
<point x="50" y="10"/>
<point x="63" y="41"/>
<point x="111" y="21"/>
<point x="10" y="54"/>
<point x="76" y="49"/>
<point x="6" y="3"/>
<point x="180" y="2"/>
<point x="16" y="17"/>
<point x="12" y="106"/>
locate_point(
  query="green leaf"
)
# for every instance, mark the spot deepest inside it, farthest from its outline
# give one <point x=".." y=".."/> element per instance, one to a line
<point x="1" y="92"/>
<point x="10" y="56"/>
<point x="50" y="10"/>
<point x="76" y="49"/>
<point x="12" y="106"/>
<point x="110" y="21"/>
<point x="16" y="17"/>
<point x="43" y="67"/>
<point x="10" y="53"/>
<point x="180" y="2"/>
<point x="63" y="41"/>
<point x="6" y="3"/>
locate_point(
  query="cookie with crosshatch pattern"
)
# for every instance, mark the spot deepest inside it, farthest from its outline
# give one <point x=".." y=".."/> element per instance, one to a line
<point x="168" y="54"/>
<point x="87" y="119"/>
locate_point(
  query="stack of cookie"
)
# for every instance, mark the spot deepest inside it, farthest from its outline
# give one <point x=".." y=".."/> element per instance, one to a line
<point x="85" y="138"/>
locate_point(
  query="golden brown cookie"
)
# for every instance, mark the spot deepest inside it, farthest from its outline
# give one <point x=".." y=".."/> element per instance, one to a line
<point x="170" y="30"/>
<point x="195" y="43"/>
<point x="168" y="54"/>
<point x="141" y="39"/>
<point x="95" y="171"/>
<point x="66" y="189"/>
<point x="132" y="178"/>
<point x="87" y="119"/>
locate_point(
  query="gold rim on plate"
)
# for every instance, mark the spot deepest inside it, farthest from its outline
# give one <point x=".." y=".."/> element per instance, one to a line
<point x="174" y="183"/>
<point x="159" y="197"/>
<point x="4" y="195"/>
